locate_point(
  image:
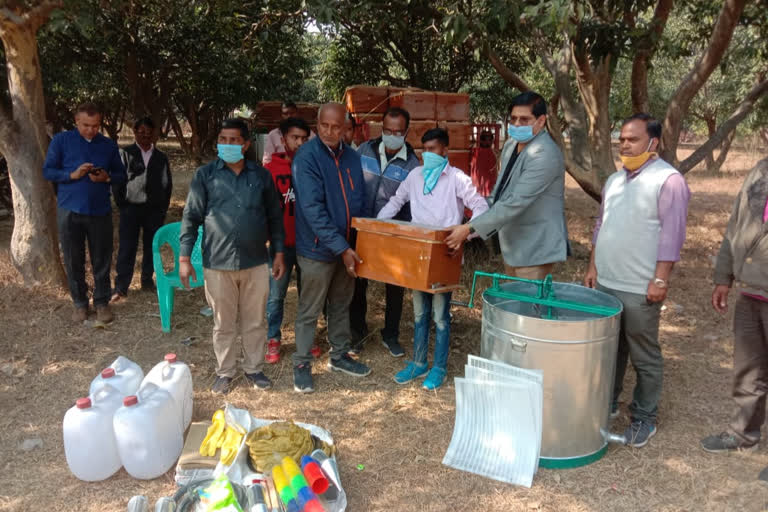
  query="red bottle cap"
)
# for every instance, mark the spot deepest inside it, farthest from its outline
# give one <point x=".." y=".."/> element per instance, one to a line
<point x="313" y="506"/>
<point x="171" y="358"/>
<point x="130" y="400"/>
<point x="106" y="373"/>
<point x="83" y="403"/>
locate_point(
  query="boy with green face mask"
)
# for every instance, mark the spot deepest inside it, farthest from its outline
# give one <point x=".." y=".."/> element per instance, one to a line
<point x="438" y="194"/>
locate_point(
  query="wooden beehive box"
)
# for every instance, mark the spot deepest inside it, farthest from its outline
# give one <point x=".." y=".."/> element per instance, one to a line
<point x="451" y="106"/>
<point x="459" y="133"/>
<point x="308" y="112"/>
<point x="416" y="130"/>
<point x="365" y="99"/>
<point x="460" y="158"/>
<point x="374" y="129"/>
<point x="407" y="255"/>
<point x="268" y="113"/>
<point x="420" y="105"/>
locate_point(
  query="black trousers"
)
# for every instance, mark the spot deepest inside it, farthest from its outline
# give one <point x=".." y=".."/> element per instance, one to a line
<point x="134" y="218"/>
<point x="392" y="313"/>
<point x="74" y="231"/>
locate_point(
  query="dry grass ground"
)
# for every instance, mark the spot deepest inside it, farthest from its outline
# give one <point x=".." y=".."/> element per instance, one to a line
<point x="399" y="433"/>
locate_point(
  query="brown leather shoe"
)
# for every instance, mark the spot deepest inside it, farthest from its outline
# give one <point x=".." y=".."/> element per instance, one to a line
<point x="104" y="314"/>
<point x="79" y="315"/>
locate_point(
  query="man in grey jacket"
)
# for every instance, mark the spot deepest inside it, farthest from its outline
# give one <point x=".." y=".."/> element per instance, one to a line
<point x="742" y="261"/>
<point x="527" y="208"/>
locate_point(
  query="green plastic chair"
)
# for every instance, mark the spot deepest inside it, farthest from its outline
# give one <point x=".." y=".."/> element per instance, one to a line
<point x="167" y="282"/>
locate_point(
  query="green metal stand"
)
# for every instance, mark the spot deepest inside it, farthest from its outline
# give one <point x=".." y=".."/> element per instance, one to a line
<point x="545" y="295"/>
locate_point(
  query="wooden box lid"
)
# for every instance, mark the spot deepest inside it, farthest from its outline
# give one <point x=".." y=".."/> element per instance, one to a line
<point x="401" y="228"/>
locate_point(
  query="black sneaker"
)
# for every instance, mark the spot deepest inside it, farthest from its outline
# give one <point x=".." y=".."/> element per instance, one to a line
<point x="638" y="433"/>
<point x="725" y="442"/>
<point x="259" y="380"/>
<point x="395" y="350"/>
<point x="221" y="385"/>
<point x="302" y="378"/>
<point x="349" y="366"/>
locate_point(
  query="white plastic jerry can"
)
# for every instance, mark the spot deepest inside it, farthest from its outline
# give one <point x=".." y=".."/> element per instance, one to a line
<point x="175" y="377"/>
<point x="89" y="440"/>
<point x="148" y="432"/>
<point x="122" y="374"/>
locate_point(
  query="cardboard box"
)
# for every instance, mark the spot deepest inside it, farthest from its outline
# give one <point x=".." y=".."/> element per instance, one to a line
<point x="365" y="99"/>
<point x="460" y="158"/>
<point x="420" y="105"/>
<point x="407" y="255"/>
<point x="459" y="133"/>
<point x="451" y="106"/>
<point x="416" y="130"/>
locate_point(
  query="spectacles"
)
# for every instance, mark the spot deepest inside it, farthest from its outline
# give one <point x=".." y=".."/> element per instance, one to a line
<point x="390" y="132"/>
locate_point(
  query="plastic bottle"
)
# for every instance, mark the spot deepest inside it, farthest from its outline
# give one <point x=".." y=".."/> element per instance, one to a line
<point x="107" y="397"/>
<point x="256" y="502"/>
<point x="314" y="475"/>
<point x="165" y="504"/>
<point x="174" y="376"/>
<point x="89" y="443"/>
<point x="148" y="433"/>
<point x="122" y="374"/>
<point x="138" y="503"/>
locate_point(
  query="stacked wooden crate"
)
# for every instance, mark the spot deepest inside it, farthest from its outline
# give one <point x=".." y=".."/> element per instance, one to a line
<point x="268" y="114"/>
<point x="428" y="109"/>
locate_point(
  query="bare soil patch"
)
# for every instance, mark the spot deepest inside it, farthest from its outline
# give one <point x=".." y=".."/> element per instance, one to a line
<point x="399" y="433"/>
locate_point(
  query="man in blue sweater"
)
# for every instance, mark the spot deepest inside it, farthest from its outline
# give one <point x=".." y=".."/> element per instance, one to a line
<point x="83" y="163"/>
<point x="329" y="188"/>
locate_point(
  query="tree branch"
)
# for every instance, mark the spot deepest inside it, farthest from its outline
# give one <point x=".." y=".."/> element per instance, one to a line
<point x="504" y="72"/>
<point x="648" y="45"/>
<point x="698" y="75"/>
<point x="743" y="110"/>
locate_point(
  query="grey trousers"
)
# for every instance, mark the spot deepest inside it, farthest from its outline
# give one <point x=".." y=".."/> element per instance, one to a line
<point x="322" y="280"/>
<point x="639" y="342"/>
<point x="750" y="367"/>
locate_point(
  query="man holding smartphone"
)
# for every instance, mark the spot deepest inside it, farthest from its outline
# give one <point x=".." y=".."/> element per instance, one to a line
<point x="83" y="163"/>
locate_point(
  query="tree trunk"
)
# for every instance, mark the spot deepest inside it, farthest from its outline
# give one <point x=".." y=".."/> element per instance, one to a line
<point x="678" y="106"/>
<point x="711" y="129"/>
<point x="737" y="116"/>
<point x="724" y="149"/>
<point x="646" y="48"/>
<point x="23" y="140"/>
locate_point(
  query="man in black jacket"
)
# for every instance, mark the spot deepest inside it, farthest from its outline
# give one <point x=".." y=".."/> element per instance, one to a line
<point x="143" y="203"/>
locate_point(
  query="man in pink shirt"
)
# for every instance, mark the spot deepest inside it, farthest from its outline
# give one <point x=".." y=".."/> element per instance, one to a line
<point x="742" y="262"/>
<point x="274" y="142"/>
<point x="438" y="194"/>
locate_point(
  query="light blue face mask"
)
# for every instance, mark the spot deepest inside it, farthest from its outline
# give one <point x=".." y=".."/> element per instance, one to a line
<point x="433" y="167"/>
<point x="393" y="142"/>
<point x="520" y="133"/>
<point x="230" y="153"/>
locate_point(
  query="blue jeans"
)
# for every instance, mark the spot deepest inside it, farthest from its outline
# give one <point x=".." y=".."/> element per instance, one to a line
<point x="277" y="291"/>
<point x="425" y="307"/>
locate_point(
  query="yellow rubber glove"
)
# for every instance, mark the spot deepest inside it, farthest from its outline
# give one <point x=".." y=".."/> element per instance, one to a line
<point x="232" y="441"/>
<point x="214" y="436"/>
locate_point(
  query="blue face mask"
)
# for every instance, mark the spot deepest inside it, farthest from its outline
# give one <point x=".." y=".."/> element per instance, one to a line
<point x="230" y="153"/>
<point x="520" y="133"/>
<point x="433" y="167"/>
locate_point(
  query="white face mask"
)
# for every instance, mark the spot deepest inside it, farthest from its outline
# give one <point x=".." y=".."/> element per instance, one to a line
<point x="393" y="142"/>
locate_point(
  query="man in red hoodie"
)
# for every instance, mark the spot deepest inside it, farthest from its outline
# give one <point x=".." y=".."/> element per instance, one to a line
<point x="295" y="132"/>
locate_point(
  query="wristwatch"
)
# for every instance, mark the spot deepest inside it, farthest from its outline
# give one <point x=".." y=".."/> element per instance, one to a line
<point x="660" y="283"/>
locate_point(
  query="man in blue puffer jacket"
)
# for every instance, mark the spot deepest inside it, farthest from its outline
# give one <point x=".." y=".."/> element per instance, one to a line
<point x="329" y="188"/>
<point x="386" y="161"/>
